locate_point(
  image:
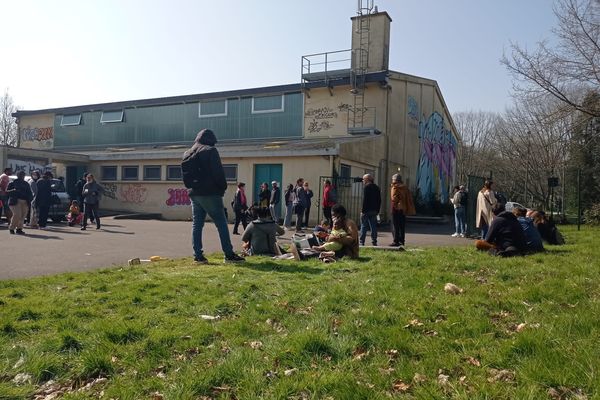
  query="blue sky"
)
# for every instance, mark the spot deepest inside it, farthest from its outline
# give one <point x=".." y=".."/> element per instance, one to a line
<point x="65" y="53"/>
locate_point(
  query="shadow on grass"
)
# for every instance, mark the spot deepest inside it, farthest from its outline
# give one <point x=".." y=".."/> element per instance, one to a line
<point x="285" y="266"/>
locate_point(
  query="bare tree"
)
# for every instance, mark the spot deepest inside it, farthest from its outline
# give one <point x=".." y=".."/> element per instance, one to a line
<point x="8" y="125"/>
<point x="568" y="69"/>
<point x="476" y="129"/>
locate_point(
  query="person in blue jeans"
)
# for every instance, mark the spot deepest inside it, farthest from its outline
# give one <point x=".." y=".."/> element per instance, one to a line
<point x="370" y="209"/>
<point x="203" y="174"/>
<point x="459" y="201"/>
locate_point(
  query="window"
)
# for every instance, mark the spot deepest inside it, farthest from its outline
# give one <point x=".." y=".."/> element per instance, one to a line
<point x="129" y="173"/>
<point x="230" y="172"/>
<point x="345" y="171"/>
<point x="267" y="104"/>
<point x="109" y="173"/>
<point x="70" y="120"/>
<point x="216" y="108"/>
<point x="173" y="172"/>
<point x="111" y="116"/>
<point x="152" y="172"/>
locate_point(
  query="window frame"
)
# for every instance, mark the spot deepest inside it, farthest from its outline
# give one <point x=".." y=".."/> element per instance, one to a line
<point x="178" y="167"/>
<point x="103" y="175"/>
<point x="124" y="167"/>
<point x="273" y="110"/>
<point x="234" y="179"/>
<point x="200" y="115"/>
<point x="145" y="176"/>
<point x="62" y="119"/>
<point x="111" y="121"/>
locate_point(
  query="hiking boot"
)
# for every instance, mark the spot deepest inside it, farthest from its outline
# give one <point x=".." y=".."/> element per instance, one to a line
<point x="394" y="244"/>
<point x="200" y="260"/>
<point x="234" y="258"/>
<point x="83" y="228"/>
<point x="12" y="231"/>
<point x="20" y="232"/>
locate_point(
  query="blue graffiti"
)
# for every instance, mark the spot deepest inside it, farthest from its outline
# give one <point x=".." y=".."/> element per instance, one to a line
<point x="437" y="162"/>
<point x="413" y="108"/>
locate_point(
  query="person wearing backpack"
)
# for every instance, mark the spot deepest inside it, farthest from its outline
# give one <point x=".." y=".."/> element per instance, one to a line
<point x="289" y="197"/>
<point x="240" y="206"/>
<point x="204" y="176"/>
<point x="459" y="201"/>
<point x="329" y="200"/>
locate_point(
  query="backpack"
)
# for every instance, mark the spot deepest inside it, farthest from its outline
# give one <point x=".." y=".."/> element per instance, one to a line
<point x="333" y="198"/>
<point x="463" y="199"/>
<point x="190" y="173"/>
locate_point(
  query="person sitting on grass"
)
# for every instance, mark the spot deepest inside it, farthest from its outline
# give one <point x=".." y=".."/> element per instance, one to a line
<point x="74" y="217"/>
<point x="260" y="236"/>
<point x="331" y="246"/>
<point x="532" y="235"/>
<point x="322" y="231"/>
<point x="350" y="241"/>
<point x="505" y="237"/>
<point x="547" y="228"/>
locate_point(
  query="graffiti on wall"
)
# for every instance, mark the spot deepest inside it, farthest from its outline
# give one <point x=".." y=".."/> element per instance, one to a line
<point x="110" y="190"/>
<point x="133" y="193"/>
<point x="27" y="166"/>
<point x="37" y="137"/>
<point x="178" y="197"/>
<point x="437" y="160"/>
<point x="413" y="112"/>
<point x="319" y="119"/>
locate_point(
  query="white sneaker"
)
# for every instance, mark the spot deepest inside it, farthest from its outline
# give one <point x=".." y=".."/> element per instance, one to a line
<point x="455" y="235"/>
<point x="462" y="235"/>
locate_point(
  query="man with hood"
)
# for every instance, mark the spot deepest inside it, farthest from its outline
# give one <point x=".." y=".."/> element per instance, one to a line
<point x="43" y="198"/>
<point x="262" y="233"/>
<point x="505" y="237"/>
<point x="203" y="174"/>
<point x="402" y="205"/>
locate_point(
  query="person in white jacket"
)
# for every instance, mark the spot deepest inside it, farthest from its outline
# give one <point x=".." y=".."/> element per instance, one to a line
<point x="486" y="200"/>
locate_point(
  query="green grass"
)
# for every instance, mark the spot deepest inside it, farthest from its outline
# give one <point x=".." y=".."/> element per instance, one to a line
<point x="350" y="330"/>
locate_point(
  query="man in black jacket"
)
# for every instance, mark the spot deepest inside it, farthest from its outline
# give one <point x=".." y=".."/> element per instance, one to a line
<point x="505" y="237"/>
<point x="275" y="202"/>
<point x="204" y="176"/>
<point x="370" y="209"/>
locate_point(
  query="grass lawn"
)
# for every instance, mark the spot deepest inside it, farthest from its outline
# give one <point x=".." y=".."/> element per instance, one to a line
<point x="381" y="326"/>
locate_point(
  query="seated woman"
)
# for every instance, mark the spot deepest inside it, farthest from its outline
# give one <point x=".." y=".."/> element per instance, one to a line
<point x="505" y="237"/>
<point x="532" y="236"/>
<point x="547" y="229"/>
<point x="261" y="234"/>
<point x="350" y="241"/>
<point x="331" y="246"/>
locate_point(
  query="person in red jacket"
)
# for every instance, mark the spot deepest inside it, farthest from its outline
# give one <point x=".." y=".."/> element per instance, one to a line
<point x="329" y="200"/>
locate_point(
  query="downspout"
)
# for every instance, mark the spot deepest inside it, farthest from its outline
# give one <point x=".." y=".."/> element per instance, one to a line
<point x="331" y="164"/>
<point x="386" y="202"/>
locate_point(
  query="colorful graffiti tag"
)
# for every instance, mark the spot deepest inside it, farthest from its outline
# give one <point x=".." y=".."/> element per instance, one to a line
<point x="37" y="134"/>
<point x="134" y="193"/>
<point x="178" y="197"/>
<point x="437" y="161"/>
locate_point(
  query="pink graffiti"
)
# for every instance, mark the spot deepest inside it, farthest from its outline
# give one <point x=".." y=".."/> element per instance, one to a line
<point x="134" y="193"/>
<point x="178" y="197"/>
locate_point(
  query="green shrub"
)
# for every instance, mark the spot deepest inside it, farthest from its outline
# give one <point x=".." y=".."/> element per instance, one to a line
<point x="591" y="216"/>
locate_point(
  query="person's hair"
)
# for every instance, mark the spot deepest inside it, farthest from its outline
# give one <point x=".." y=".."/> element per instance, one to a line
<point x="299" y="181"/>
<point x="338" y="209"/>
<point x="368" y="177"/>
<point x="74" y="202"/>
<point x="264" y="184"/>
<point x="397" y="178"/>
<point x="48" y="175"/>
<point x="498" y="208"/>
<point x="90" y="176"/>
<point x="327" y="182"/>
<point x="35" y="172"/>
<point x="85" y="174"/>
<point x="263" y="212"/>
<point x="487" y="185"/>
<point x="519" y="211"/>
<point x="7" y="170"/>
<point x="457" y="187"/>
<point x="241" y="184"/>
<point x="290" y="187"/>
<point x="20" y="173"/>
<point x="305" y="183"/>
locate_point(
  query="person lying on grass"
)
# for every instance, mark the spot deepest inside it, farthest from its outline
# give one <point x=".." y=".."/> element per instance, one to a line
<point x="260" y="236"/>
<point x="532" y="235"/>
<point x="505" y="237"/>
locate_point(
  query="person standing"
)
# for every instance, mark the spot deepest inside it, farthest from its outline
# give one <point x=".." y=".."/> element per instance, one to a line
<point x="19" y="198"/>
<point x="402" y="205"/>
<point x="329" y="200"/>
<point x="91" y="201"/>
<point x="264" y="195"/>
<point x="370" y="208"/>
<point x="486" y="200"/>
<point x="240" y="206"/>
<point x="309" y="195"/>
<point x="275" y="202"/>
<point x="299" y="204"/>
<point x="43" y="198"/>
<point x="4" y="181"/>
<point x="33" y="209"/>
<point x="203" y="174"/>
<point x="289" y="200"/>
<point x="459" y="201"/>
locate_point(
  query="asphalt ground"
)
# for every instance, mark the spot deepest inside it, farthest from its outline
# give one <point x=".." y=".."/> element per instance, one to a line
<point x="61" y="248"/>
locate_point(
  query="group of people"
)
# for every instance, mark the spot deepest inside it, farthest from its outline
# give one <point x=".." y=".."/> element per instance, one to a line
<point x="509" y="233"/>
<point x="30" y="200"/>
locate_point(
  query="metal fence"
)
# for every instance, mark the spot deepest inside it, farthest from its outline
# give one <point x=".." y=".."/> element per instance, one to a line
<point x="349" y="194"/>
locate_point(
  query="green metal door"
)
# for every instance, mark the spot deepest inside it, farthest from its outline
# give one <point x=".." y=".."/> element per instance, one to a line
<point x="266" y="173"/>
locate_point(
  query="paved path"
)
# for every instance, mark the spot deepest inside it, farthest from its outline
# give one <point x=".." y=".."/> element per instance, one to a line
<point x="61" y="248"/>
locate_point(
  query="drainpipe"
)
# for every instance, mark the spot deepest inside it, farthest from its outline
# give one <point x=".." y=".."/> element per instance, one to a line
<point x="331" y="164"/>
<point x="387" y="200"/>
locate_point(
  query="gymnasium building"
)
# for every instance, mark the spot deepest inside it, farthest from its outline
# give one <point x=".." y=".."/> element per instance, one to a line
<point x="349" y="115"/>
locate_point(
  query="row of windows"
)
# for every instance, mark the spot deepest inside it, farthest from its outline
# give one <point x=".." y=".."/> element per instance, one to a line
<point x="206" y="109"/>
<point x="154" y="172"/>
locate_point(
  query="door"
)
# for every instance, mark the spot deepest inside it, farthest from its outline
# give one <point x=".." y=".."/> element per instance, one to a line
<point x="74" y="173"/>
<point x="266" y="173"/>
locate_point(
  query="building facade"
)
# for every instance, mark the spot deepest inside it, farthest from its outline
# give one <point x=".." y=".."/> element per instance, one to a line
<point x="349" y="115"/>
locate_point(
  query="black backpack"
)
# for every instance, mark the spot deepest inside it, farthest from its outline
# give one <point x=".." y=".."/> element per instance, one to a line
<point x="190" y="173"/>
<point x="464" y="196"/>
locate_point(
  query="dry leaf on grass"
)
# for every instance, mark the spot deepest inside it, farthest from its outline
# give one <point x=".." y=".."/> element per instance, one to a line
<point x="256" y="345"/>
<point x="474" y="361"/>
<point x="451" y="288"/>
<point x="565" y="393"/>
<point x="443" y="381"/>
<point x="401" y="386"/>
<point x="290" y="372"/>
<point x="418" y="378"/>
<point x="501" y="375"/>
<point x="413" y="323"/>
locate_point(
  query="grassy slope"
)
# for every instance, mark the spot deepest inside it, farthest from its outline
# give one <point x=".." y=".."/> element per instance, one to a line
<point x="354" y="329"/>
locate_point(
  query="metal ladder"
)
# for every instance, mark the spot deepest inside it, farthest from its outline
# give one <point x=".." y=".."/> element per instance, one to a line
<point x="361" y="62"/>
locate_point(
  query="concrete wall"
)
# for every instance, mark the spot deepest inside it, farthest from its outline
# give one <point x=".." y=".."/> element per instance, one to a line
<point x="379" y="41"/>
<point x="36" y="132"/>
